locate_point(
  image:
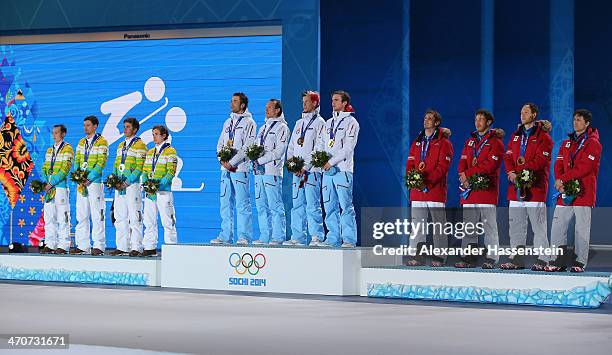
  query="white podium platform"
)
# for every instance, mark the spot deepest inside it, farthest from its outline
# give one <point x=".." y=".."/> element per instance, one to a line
<point x="320" y="271"/>
<point x="561" y="289"/>
<point x="81" y="268"/>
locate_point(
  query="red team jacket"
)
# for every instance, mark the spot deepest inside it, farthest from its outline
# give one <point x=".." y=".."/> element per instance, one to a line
<point x="585" y="167"/>
<point x="537" y="158"/>
<point x="437" y="164"/>
<point x="488" y="162"/>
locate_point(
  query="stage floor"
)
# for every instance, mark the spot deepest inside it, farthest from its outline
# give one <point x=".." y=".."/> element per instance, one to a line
<point x="206" y="322"/>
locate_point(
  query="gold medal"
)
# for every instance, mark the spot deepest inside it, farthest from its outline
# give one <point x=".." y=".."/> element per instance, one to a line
<point x="50" y="172"/>
<point x="84" y="165"/>
<point x="121" y="167"/>
<point x="300" y="141"/>
<point x="474" y="161"/>
<point x="331" y="143"/>
<point x="571" y="164"/>
<point x="151" y="175"/>
<point x="422" y="166"/>
<point x="520" y="160"/>
<point x="229" y="143"/>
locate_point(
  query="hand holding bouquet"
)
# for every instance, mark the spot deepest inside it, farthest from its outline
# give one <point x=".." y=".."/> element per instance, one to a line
<point x="254" y="152"/>
<point x="571" y="190"/>
<point x="115" y="182"/>
<point x="294" y="164"/>
<point x="226" y="154"/>
<point x="150" y="187"/>
<point x="479" y="182"/>
<point x="37" y="186"/>
<point x="524" y="181"/>
<point x="415" y="180"/>
<point x="319" y="159"/>
<point x="79" y="176"/>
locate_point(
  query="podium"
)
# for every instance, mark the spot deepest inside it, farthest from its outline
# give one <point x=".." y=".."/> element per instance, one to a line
<point x="316" y="271"/>
<point x="81" y="268"/>
<point x="525" y="287"/>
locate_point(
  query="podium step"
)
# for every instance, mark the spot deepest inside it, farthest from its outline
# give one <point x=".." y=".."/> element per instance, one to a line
<point x="586" y="290"/>
<point x="81" y="268"/>
<point x="321" y="271"/>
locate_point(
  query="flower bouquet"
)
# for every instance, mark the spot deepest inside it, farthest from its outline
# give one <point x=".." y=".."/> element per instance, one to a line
<point x="79" y="176"/>
<point x="319" y="159"/>
<point x="525" y="179"/>
<point x="150" y="187"/>
<point x="415" y="180"/>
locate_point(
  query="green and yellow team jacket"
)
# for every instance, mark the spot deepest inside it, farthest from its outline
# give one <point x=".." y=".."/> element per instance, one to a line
<point x="165" y="168"/>
<point x="97" y="157"/>
<point x="58" y="177"/>
<point x="134" y="160"/>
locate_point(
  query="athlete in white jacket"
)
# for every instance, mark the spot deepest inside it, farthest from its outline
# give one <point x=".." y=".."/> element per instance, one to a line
<point x="306" y="214"/>
<point x="340" y="139"/>
<point x="238" y="133"/>
<point x="268" y="171"/>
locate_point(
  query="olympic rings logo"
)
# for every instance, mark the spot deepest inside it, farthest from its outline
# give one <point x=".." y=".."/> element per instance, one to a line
<point x="247" y="263"/>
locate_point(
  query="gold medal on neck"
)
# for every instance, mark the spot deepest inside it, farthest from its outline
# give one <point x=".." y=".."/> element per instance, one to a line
<point x="301" y="141"/>
<point x="520" y="160"/>
<point x="84" y="165"/>
<point x="474" y="161"/>
<point x="331" y="143"/>
<point x="229" y="143"/>
<point x="121" y="167"/>
<point x="422" y="166"/>
<point x="151" y="175"/>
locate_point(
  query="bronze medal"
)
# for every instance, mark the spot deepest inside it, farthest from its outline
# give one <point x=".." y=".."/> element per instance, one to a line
<point x="520" y="160"/>
<point x="422" y="166"/>
<point x="300" y="141"/>
<point x="474" y="161"/>
<point x="50" y="172"/>
<point x="230" y="143"/>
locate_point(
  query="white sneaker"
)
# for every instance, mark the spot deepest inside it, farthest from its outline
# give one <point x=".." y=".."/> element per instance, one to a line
<point x="218" y="241"/>
<point x="242" y="241"/>
<point x="275" y="242"/>
<point x="348" y="245"/>
<point x="259" y="242"/>
<point x="315" y="242"/>
<point x="325" y="245"/>
<point x="293" y="242"/>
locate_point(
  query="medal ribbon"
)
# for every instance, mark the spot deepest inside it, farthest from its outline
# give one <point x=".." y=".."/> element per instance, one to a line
<point x="232" y="128"/>
<point x="480" y="147"/>
<point x="264" y="134"/>
<point x="524" y="141"/>
<point x="126" y="148"/>
<point x="425" y="146"/>
<point x="303" y="133"/>
<point x="157" y="155"/>
<point x="54" y="155"/>
<point x="580" y="146"/>
<point x="332" y="133"/>
<point x="88" y="147"/>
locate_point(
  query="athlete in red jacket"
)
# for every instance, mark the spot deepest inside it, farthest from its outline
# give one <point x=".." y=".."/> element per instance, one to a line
<point x="529" y="148"/>
<point x="431" y="154"/>
<point x="578" y="159"/>
<point x="481" y="156"/>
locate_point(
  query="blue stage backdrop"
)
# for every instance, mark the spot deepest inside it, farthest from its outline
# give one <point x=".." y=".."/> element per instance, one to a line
<point x="185" y="84"/>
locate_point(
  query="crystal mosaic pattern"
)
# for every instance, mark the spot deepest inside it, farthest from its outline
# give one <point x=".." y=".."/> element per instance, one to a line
<point x="589" y="296"/>
<point x="62" y="275"/>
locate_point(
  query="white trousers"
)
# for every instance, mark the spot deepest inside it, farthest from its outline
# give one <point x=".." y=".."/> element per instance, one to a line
<point x="420" y="212"/>
<point x="164" y="205"/>
<point x="91" y="206"/>
<point x="582" y="230"/>
<point x="128" y="219"/>
<point x="520" y="213"/>
<point x="487" y="214"/>
<point x="57" y="220"/>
